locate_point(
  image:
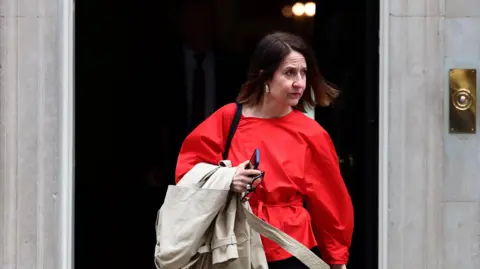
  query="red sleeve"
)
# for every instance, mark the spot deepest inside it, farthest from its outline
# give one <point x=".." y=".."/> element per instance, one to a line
<point x="328" y="201"/>
<point x="205" y="143"/>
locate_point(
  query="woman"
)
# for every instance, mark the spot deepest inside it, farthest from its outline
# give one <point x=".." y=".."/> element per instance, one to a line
<point x="298" y="158"/>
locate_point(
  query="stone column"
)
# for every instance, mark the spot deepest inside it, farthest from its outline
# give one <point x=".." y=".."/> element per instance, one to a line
<point x="461" y="181"/>
<point x="30" y="134"/>
<point x="433" y="176"/>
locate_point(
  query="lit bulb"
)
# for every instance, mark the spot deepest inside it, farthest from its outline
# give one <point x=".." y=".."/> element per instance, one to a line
<point x="298" y="9"/>
<point x="309" y="9"/>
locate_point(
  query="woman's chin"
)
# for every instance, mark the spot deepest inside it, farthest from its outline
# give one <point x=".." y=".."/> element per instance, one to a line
<point x="293" y="101"/>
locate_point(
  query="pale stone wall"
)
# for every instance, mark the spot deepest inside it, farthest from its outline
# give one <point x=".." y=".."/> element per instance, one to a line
<point x="461" y="182"/>
<point x="30" y="105"/>
<point x="433" y="176"/>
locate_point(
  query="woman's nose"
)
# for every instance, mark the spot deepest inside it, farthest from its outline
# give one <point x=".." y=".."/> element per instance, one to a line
<point x="300" y="83"/>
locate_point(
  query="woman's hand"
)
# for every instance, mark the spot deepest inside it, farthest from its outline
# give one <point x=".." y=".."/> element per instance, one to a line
<point x="338" y="266"/>
<point x="242" y="177"/>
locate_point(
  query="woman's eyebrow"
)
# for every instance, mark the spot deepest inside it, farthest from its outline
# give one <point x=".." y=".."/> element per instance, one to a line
<point x="295" y="67"/>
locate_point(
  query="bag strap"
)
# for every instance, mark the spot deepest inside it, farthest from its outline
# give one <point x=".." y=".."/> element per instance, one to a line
<point x="233" y="128"/>
<point x="301" y="252"/>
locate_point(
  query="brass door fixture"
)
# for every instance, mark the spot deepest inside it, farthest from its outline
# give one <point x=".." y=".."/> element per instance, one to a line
<point x="463" y="88"/>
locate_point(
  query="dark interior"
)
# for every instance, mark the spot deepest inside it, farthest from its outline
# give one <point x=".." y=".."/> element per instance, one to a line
<point x="122" y="81"/>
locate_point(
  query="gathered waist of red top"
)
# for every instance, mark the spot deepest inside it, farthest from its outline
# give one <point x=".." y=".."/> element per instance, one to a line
<point x="258" y="206"/>
<point x="294" y="203"/>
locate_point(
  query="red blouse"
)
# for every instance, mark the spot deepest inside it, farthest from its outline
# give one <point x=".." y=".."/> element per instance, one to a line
<point x="300" y="165"/>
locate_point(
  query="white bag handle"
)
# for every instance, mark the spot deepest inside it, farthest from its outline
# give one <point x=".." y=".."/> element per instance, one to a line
<point x="285" y="241"/>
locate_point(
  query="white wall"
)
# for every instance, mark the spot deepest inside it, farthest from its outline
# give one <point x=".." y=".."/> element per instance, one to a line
<point x="433" y="176"/>
<point x="31" y="135"/>
<point x="461" y="191"/>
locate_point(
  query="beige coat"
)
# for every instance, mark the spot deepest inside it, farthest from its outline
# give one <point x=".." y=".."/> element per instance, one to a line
<point x="203" y="225"/>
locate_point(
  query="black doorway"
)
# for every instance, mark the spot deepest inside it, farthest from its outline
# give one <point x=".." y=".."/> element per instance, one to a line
<point x="346" y="42"/>
<point x="114" y="211"/>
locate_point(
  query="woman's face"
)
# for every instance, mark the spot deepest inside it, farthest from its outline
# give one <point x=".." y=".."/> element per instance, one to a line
<point x="289" y="80"/>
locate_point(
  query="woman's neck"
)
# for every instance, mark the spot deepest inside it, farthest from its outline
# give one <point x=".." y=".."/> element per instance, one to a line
<point x="267" y="110"/>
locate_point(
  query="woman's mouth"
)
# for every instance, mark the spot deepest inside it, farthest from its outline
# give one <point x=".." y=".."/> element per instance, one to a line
<point x="295" y="95"/>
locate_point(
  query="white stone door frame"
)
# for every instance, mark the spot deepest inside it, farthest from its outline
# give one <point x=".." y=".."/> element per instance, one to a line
<point x="67" y="137"/>
<point x="67" y="145"/>
<point x="383" y="134"/>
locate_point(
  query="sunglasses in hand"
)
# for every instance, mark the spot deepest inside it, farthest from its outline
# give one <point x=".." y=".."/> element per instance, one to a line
<point x="252" y="187"/>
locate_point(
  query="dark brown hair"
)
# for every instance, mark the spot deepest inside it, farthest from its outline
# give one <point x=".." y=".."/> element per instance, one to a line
<point x="267" y="57"/>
